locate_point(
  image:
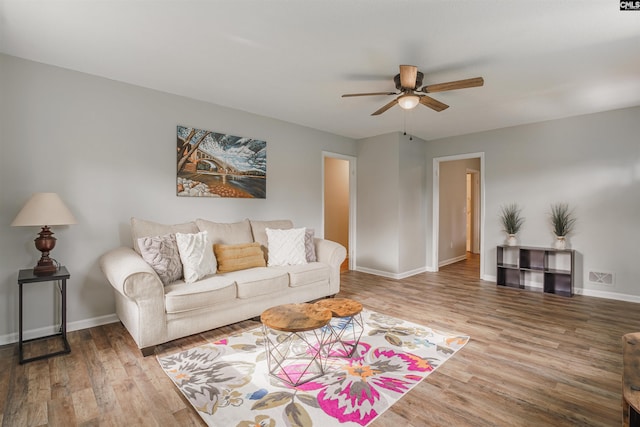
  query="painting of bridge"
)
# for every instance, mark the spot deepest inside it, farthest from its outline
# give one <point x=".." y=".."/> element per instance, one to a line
<point x="211" y="164"/>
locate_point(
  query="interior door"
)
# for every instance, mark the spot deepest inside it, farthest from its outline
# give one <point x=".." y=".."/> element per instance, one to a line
<point x="338" y="201"/>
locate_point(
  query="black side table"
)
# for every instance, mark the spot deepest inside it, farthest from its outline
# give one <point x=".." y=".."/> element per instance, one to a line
<point x="27" y="276"/>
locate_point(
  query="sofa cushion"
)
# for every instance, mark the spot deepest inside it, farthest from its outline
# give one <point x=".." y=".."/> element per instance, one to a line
<point x="301" y="275"/>
<point x="286" y="247"/>
<point x="238" y="257"/>
<point x="226" y="233"/>
<point x="259" y="281"/>
<point x="181" y="297"/>
<point x="143" y="228"/>
<point x="196" y="254"/>
<point x="161" y="253"/>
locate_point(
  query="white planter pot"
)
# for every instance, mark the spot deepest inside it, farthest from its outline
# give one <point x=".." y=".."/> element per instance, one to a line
<point x="561" y="242"/>
<point x="512" y="240"/>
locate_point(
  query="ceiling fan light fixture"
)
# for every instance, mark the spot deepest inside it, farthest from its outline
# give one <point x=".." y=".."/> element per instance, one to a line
<point x="408" y="82"/>
<point x="408" y="102"/>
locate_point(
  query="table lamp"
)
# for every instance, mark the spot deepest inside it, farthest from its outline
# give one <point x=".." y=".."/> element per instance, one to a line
<point x="44" y="210"/>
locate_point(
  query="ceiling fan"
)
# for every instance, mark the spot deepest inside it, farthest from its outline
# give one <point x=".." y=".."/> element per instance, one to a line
<point x="408" y="82"/>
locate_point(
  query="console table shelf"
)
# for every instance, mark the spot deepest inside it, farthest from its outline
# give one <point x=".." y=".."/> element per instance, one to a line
<point x="514" y="264"/>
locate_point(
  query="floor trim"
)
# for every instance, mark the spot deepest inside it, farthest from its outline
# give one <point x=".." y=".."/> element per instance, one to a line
<point x="52" y="329"/>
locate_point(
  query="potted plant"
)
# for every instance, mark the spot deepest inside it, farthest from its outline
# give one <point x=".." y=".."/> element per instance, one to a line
<point x="563" y="222"/>
<point x="511" y="222"/>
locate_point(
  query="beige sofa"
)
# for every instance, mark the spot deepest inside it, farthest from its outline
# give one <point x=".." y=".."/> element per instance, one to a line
<point x="156" y="313"/>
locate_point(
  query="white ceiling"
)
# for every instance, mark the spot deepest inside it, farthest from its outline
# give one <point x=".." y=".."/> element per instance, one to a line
<point x="291" y="60"/>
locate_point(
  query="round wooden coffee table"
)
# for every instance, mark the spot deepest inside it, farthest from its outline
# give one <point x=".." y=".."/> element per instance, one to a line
<point x="294" y="337"/>
<point x="346" y="326"/>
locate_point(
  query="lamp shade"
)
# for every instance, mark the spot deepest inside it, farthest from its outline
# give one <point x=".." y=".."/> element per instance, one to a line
<point x="44" y="209"/>
<point x="408" y="101"/>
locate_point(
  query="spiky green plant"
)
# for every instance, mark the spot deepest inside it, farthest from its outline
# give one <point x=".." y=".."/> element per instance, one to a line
<point x="511" y="219"/>
<point x="562" y="219"/>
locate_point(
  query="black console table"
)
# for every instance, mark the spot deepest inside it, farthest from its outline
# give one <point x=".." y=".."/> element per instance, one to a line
<point x="27" y="276"/>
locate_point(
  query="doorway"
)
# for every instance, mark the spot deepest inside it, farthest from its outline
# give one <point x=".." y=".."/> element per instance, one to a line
<point x="458" y="209"/>
<point x="339" y="203"/>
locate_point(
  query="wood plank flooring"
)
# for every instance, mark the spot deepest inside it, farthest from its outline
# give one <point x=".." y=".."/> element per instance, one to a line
<point x="533" y="360"/>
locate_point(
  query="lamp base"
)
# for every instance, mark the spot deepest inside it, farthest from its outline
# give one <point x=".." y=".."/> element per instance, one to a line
<point x="45" y="267"/>
<point x="45" y="243"/>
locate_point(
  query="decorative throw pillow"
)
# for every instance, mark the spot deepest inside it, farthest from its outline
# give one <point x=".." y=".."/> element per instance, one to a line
<point x="286" y="247"/>
<point x="309" y="245"/>
<point x="258" y="229"/>
<point x="143" y="228"/>
<point x="161" y="252"/>
<point x="238" y="257"/>
<point x="197" y="256"/>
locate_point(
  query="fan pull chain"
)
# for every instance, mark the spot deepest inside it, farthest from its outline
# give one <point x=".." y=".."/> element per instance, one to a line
<point x="404" y="121"/>
<point x="404" y="118"/>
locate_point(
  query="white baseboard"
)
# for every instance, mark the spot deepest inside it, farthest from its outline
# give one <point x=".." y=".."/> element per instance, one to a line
<point x="397" y="276"/>
<point x="606" y="294"/>
<point x="412" y="272"/>
<point x="50" y="330"/>
<point x="452" y="260"/>
<point x="586" y="292"/>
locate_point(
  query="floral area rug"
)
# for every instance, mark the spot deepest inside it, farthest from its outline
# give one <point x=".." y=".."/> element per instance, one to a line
<point x="228" y="382"/>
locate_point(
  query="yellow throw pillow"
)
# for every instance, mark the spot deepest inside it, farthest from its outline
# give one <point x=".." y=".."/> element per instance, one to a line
<point x="238" y="257"/>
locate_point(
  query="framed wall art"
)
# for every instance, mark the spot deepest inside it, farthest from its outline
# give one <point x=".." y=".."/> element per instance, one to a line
<point x="211" y="164"/>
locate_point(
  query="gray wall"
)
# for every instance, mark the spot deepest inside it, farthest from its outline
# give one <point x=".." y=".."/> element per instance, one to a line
<point x="412" y="205"/>
<point x="108" y="149"/>
<point x="591" y="162"/>
<point x="391" y="205"/>
<point x="377" y="216"/>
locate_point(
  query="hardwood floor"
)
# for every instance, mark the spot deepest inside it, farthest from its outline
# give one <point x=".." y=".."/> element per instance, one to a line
<point x="533" y="360"/>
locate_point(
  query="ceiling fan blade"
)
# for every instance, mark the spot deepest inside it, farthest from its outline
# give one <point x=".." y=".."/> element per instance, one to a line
<point x="346" y="95"/>
<point x="385" y="108"/>
<point x="458" y="84"/>
<point x="434" y="104"/>
<point x="408" y="74"/>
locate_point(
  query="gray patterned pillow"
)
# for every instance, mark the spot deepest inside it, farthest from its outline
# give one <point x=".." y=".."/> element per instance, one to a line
<point x="309" y="245"/>
<point x="161" y="252"/>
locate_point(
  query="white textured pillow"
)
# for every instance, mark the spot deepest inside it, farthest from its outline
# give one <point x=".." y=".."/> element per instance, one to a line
<point x="197" y="256"/>
<point x="286" y="247"/>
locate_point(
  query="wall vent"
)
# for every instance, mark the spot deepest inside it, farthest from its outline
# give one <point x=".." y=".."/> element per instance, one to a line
<point x="601" y="278"/>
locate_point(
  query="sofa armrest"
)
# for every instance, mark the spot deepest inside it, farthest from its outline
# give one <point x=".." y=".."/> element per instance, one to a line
<point x="333" y="254"/>
<point x="130" y="274"/>
<point x="330" y="252"/>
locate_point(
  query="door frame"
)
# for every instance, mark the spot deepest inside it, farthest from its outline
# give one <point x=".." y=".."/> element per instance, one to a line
<point x="352" y="202"/>
<point x="435" y="226"/>
<point x="475" y="183"/>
